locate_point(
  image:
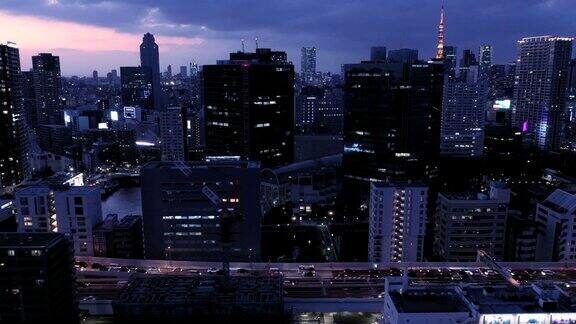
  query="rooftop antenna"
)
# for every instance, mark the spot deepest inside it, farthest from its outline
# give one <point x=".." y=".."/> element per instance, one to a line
<point x="242" y="45"/>
<point x="256" y="41"/>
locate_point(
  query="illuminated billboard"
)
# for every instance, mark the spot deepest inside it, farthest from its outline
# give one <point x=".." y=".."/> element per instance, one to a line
<point x="502" y="104"/>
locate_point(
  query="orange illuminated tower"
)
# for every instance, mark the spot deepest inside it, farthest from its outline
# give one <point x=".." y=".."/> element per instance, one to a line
<point x="440" y="46"/>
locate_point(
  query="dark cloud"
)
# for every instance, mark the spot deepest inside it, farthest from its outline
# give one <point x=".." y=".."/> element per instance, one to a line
<point x="341" y="29"/>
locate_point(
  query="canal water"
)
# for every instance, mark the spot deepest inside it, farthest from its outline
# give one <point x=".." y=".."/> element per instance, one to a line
<point x="124" y="201"/>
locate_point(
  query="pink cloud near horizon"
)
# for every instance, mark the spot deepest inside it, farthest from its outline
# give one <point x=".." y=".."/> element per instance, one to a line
<point x="34" y="35"/>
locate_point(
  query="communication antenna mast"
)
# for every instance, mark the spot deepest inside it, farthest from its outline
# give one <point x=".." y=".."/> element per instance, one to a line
<point x="242" y="40"/>
<point x="256" y="41"/>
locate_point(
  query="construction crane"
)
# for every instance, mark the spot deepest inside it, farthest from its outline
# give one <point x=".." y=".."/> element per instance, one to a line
<point x="229" y="216"/>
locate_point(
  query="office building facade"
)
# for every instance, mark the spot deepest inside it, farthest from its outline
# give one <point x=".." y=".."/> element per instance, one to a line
<point x="37" y="281"/>
<point x="188" y="207"/>
<point x="14" y="145"/>
<point x="463" y="111"/>
<point x="48" y="88"/>
<point x="468" y="222"/>
<point x="70" y="210"/>
<point x="403" y="55"/>
<point x="557" y="237"/>
<point x="137" y="86"/>
<point x="249" y="107"/>
<point x="387" y="120"/>
<point x="150" y="58"/>
<point x="308" y="64"/>
<point x="172" y="134"/>
<point x="378" y="54"/>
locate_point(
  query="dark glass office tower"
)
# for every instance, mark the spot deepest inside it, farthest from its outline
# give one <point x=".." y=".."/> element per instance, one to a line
<point x="37" y="281"/>
<point x="378" y="54"/>
<point x="450" y="61"/>
<point x="150" y="58"/>
<point x="403" y="55"/>
<point x="387" y="120"/>
<point x="249" y="107"/>
<point x="14" y="146"/>
<point x="48" y="89"/>
<point x="137" y="86"/>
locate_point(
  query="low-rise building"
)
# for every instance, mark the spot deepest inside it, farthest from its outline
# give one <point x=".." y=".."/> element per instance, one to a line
<point x="468" y="222"/>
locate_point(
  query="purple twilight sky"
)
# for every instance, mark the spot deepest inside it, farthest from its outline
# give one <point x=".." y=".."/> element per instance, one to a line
<point x="104" y="34"/>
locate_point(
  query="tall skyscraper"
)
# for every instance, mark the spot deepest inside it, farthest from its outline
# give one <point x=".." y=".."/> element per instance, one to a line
<point x="440" y="44"/>
<point x="403" y="55"/>
<point x="540" y="89"/>
<point x="37" y="281"/>
<point x="48" y="88"/>
<point x="308" y="64"/>
<point x="378" y="54"/>
<point x="137" y="86"/>
<point x="462" y="128"/>
<point x="14" y="145"/>
<point x="29" y="95"/>
<point x="468" y="66"/>
<point x="183" y="71"/>
<point x="249" y="107"/>
<point x="169" y="71"/>
<point x="397" y="222"/>
<point x="450" y="61"/>
<point x="187" y="206"/>
<point x="307" y="101"/>
<point x="485" y="63"/>
<point x="387" y="119"/>
<point x="570" y="118"/>
<point x="150" y="58"/>
<point x="172" y="134"/>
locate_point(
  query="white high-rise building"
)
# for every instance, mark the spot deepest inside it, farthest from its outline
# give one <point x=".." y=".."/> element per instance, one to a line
<point x="540" y="89"/>
<point x="397" y="222"/>
<point x="35" y="209"/>
<point x="556" y="215"/>
<point x="71" y="210"/>
<point x="172" y="134"/>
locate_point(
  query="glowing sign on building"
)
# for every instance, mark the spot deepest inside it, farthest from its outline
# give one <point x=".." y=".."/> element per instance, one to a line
<point x="502" y="104"/>
<point x="129" y="112"/>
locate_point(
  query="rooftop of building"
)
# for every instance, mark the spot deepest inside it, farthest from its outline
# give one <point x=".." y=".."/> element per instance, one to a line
<point x="560" y="201"/>
<point x="330" y="161"/>
<point x="428" y="301"/>
<point x="197" y="289"/>
<point x="220" y="163"/>
<point x="507" y="300"/>
<point x="28" y="240"/>
<point x="112" y="222"/>
<point x="399" y="185"/>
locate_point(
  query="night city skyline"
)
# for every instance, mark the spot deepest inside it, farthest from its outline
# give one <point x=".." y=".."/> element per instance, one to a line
<point x="289" y="161"/>
<point x="101" y="32"/>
